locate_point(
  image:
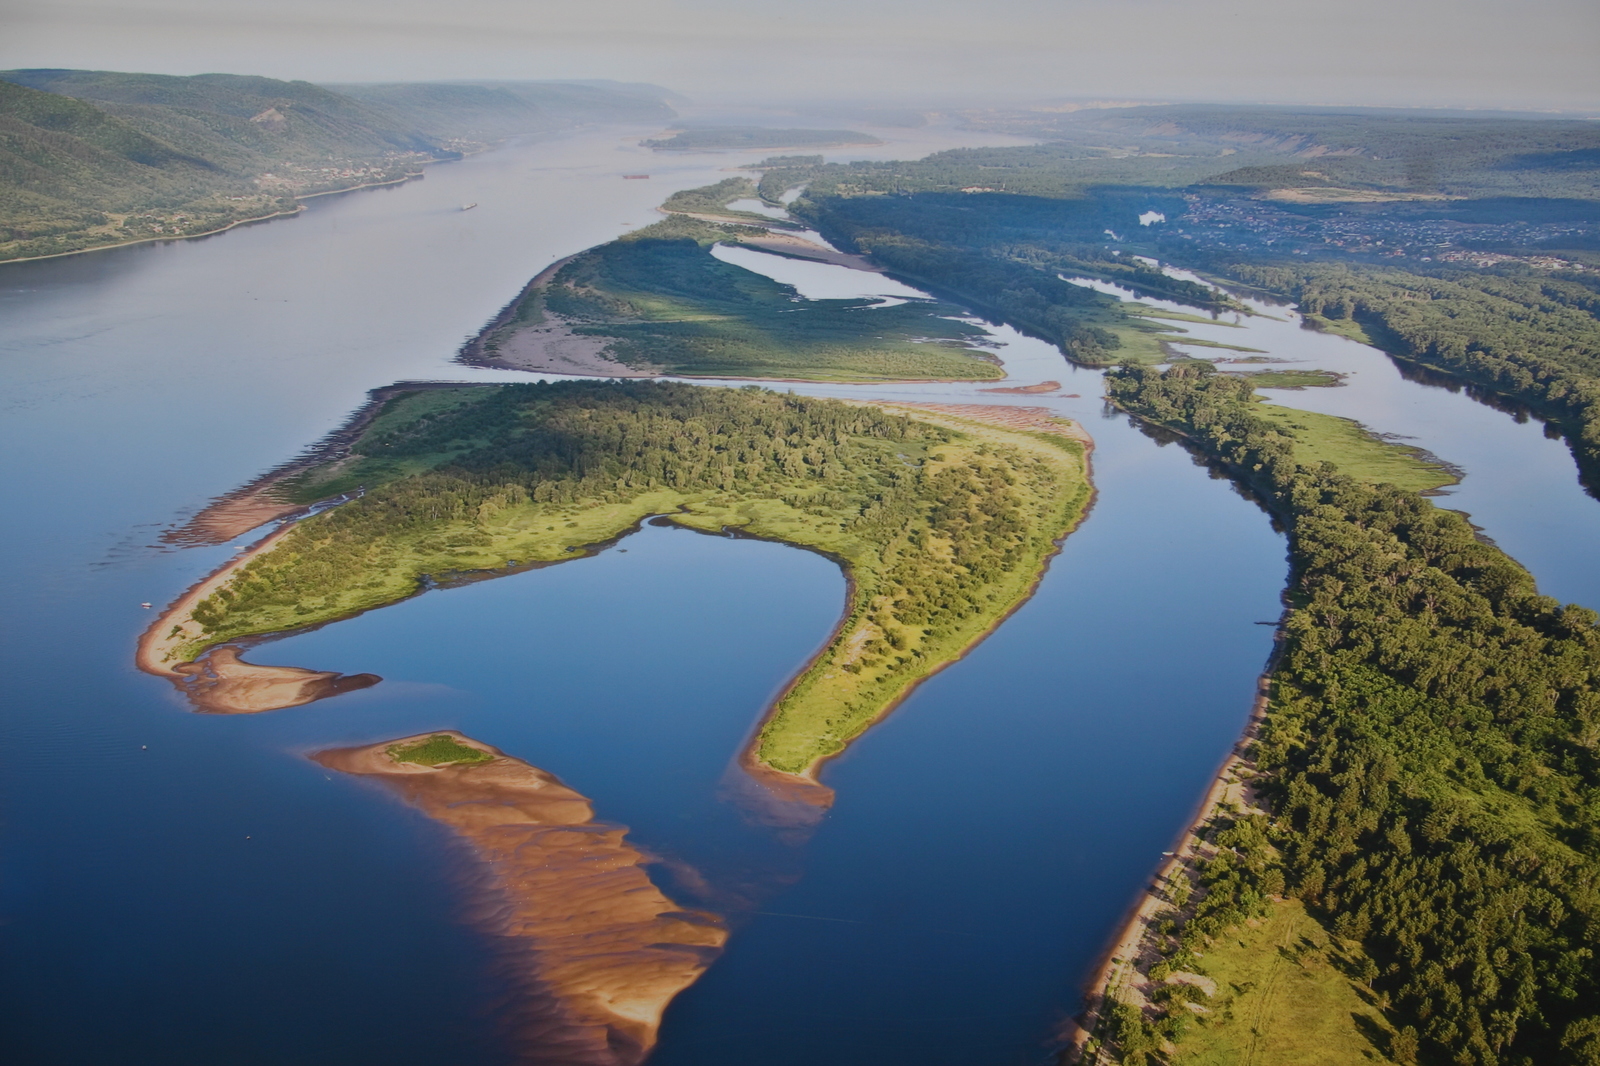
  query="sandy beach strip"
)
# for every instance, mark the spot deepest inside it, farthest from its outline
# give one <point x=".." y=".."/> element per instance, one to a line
<point x="1119" y="973"/>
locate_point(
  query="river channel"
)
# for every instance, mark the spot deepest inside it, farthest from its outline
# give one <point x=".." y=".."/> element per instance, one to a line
<point x="190" y="889"/>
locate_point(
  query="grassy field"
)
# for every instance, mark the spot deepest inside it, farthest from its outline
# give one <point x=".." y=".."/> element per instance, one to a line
<point x="1344" y="327"/>
<point x="663" y="300"/>
<point x="1350" y="447"/>
<point x="1284" y="997"/>
<point x="437" y="750"/>
<point x="943" y="524"/>
<point x="1296" y="379"/>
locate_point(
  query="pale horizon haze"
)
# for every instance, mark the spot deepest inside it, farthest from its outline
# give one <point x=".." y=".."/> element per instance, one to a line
<point x="1527" y="55"/>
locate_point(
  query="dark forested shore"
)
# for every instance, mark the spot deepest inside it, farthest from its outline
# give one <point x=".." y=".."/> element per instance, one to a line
<point x="1429" y="761"/>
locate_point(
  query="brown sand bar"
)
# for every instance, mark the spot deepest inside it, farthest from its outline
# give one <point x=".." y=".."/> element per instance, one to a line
<point x="600" y="949"/>
<point x="1029" y="390"/>
<point x="550" y="346"/>
<point x="219" y="682"/>
<point x="798" y="247"/>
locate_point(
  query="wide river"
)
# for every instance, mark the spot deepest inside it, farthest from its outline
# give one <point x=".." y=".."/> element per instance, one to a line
<point x="190" y="889"/>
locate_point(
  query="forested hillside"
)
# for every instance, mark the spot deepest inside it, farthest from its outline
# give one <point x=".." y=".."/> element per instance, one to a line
<point x="1430" y="756"/>
<point x="489" y="111"/>
<point x="90" y="158"/>
<point x="1430" y="152"/>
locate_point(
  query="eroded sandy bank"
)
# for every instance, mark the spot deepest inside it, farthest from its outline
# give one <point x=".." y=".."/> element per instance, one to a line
<point x="236" y="513"/>
<point x="549" y="345"/>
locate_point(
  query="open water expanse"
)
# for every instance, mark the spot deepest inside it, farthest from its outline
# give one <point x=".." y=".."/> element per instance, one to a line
<point x="189" y="889"/>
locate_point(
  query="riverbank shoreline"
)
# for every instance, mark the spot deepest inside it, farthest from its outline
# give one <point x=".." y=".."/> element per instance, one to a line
<point x="253" y="504"/>
<point x="556" y="348"/>
<point x="164" y="239"/>
<point x="218" y="681"/>
<point x="1116" y="966"/>
<point x="154" y="652"/>
<point x="175" y="238"/>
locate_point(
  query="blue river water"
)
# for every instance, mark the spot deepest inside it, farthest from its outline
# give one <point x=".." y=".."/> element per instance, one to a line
<point x="187" y="889"/>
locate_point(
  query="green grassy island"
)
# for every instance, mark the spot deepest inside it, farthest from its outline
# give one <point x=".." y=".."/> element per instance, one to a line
<point x="441" y="749"/>
<point x="942" y="520"/>
<point x="659" y="300"/>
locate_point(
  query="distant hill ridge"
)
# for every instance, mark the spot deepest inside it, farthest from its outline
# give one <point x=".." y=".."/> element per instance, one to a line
<point x="96" y="158"/>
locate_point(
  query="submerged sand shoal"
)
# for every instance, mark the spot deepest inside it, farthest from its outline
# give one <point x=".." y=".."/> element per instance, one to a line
<point x="599" y="950"/>
<point x="1029" y="390"/>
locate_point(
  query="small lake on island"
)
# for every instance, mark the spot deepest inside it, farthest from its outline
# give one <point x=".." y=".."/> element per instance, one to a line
<point x="190" y="889"/>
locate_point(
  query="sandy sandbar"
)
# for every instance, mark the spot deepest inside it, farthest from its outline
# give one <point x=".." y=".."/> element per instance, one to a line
<point x="1028" y="390"/>
<point x="598" y="949"/>
<point x="219" y="682"/>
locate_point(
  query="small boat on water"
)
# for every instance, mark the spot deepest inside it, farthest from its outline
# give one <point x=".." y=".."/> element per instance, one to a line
<point x="634" y="177"/>
<point x="468" y="207"/>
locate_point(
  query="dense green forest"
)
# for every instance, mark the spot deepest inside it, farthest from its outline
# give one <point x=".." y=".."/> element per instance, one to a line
<point x="1430" y="755"/>
<point x="700" y="138"/>
<point x="1006" y="254"/>
<point x="1430" y="752"/>
<point x="943" y="524"/>
<point x="91" y="158"/>
<point x="664" y="300"/>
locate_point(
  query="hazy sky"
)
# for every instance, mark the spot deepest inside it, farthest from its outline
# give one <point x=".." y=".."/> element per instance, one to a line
<point x="1477" y="53"/>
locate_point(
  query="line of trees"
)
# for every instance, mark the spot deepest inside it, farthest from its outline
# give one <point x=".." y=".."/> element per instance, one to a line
<point x="1433" y="748"/>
